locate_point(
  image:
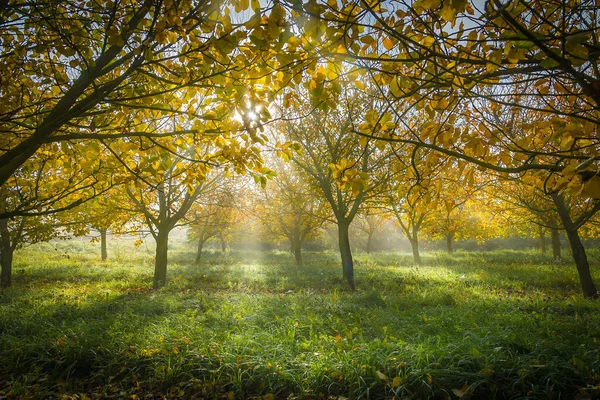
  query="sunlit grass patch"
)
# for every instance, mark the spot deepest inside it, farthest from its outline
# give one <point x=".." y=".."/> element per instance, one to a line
<point x="252" y="324"/>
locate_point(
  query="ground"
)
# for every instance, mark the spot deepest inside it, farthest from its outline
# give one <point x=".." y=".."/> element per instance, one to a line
<point x="489" y="325"/>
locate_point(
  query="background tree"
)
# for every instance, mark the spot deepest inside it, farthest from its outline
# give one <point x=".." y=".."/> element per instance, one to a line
<point x="410" y="194"/>
<point x="462" y="212"/>
<point x="105" y="214"/>
<point x="529" y="209"/>
<point x="288" y="208"/>
<point x="212" y="215"/>
<point x="369" y="222"/>
<point x="345" y="169"/>
<point x="164" y="201"/>
<point x="411" y="210"/>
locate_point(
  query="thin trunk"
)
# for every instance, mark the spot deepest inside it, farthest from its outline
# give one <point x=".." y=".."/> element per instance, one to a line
<point x="414" y="243"/>
<point x="223" y="245"/>
<point x="542" y="239"/>
<point x="555" y="236"/>
<point x="103" y="252"/>
<point x="200" y="246"/>
<point x="6" y="254"/>
<point x="449" y="239"/>
<point x="160" y="264"/>
<point x="583" y="267"/>
<point x="577" y="249"/>
<point x="346" y="253"/>
<point x="297" y="247"/>
<point x="370" y="242"/>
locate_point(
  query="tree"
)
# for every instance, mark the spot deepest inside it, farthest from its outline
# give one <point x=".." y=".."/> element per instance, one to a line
<point x="369" y="222"/>
<point x="33" y="191"/>
<point x="529" y="209"/>
<point x="506" y="58"/>
<point x="429" y="55"/>
<point x="74" y="72"/>
<point x="411" y="208"/>
<point x="461" y="212"/>
<point x="345" y="169"/>
<point x="164" y="205"/>
<point x="410" y="194"/>
<point x="104" y="214"/>
<point x="574" y="214"/>
<point x="212" y="216"/>
<point x="166" y="184"/>
<point x="288" y="208"/>
<point x="20" y="231"/>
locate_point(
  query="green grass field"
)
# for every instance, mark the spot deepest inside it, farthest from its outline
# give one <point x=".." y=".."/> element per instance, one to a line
<point x="501" y="325"/>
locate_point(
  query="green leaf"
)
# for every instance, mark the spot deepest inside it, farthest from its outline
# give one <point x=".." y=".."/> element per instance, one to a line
<point x="549" y="63"/>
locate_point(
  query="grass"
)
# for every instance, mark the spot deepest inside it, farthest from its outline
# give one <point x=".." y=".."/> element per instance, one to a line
<point x="252" y="325"/>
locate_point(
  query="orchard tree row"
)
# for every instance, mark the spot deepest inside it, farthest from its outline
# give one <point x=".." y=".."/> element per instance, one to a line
<point x="446" y="116"/>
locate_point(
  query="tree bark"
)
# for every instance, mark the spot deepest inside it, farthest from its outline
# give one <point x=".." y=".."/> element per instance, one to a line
<point x="542" y="239"/>
<point x="160" y="264"/>
<point x="200" y="246"/>
<point x="346" y="253"/>
<point x="223" y="246"/>
<point x="414" y="243"/>
<point x="555" y="236"/>
<point x="6" y="254"/>
<point x="103" y="252"/>
<point x="297" y="249"/>
<point x="449" y="239"/>
<point x="577" y="249"/>
<point x="370" y="242"/>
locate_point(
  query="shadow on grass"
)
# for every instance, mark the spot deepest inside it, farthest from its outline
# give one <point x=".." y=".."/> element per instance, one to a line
<point x="255" y="323"/>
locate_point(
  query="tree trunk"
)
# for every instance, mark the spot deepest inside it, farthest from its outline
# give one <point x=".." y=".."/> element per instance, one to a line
<point x="414" y="243"/>
<point x="583" y="266"/>
<point x="577" y="249"/>
<point x="223" y="245"/>
<point x="6" y="254"/>
<point x="542" y="239"/>
<point x="346" y="253"/>
<point x="555" y="236"/>
<point x="160" y="264"/>
<point x="449" y="239"/>
<point x="103" y="252"/>
<point x="201" y="241"/>
<point x="200" y="246"/>
<point x="297" y="247"/>
<point x="370" y="242"/>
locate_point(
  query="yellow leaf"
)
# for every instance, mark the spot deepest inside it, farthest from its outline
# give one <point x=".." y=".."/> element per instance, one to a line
<point x="396" y="382"/>
<point x="428" y="41"/>
<point x="448" y="12"/>
<point x="591" y="188"/>
<point x="461" y="392"/>
<point x="491" y="67"/>
<point x="360" y="85"/>
<point x="495" y="59"/>
<point x="395" y="88"/>
<point x="388" y="44"/>
<point x="566" y="142"/>
<point x="380" y="375"/>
